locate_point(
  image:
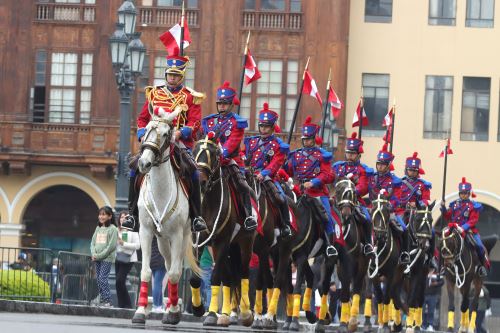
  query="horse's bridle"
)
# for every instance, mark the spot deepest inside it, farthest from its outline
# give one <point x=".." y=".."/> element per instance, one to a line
<point x="207" y="166"/>
<point x="348" y="192"/>
<point x="380" y="202"/>
<point x="451" y="234"/>
<point x="426" y="222"/>
<point x="157" y="147"/>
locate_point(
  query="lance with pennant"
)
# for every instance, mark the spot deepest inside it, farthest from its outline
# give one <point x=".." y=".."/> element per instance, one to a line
<point x="326" y="108"/>
<point x="242" y="77"/>
<point x="392" y="125"/>
<point x="361" y="109"/>
<point x="181" y="52"/>
<point x="292" y="125"/>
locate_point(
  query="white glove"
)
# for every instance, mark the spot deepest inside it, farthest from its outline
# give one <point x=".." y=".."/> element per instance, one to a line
<point x="350" y="175"/>
<point x="290" y="183"/>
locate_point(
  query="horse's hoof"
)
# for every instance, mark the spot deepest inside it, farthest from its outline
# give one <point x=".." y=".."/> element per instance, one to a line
<point x="257" y="324"/>
<point x="294" y="325"/>
<point x="269" y="324"/>
<point x="353" y="324"/>
<point x="211" y="319"/>
<point x="343" y="328"/>
<point x="223" y="320"/>
<point x="139" y="318"/>
<point x="233" y="318"/>
<point x="319" y="327"/>
<point x="246" y="318"/>
<point x="171" y="318"/>
<point x="367" y="327"/>
<point x="417" y="329"/>
<point x="462" y="329"/>
<point x="397" y="328"/>
<point x="450" y="329"/>
<point x="286" y="324"/>
<point x="328" y="319"/>
<point x="311" y="317"/>
<point x="386" y="329"/>
<point x="198" y="311"/>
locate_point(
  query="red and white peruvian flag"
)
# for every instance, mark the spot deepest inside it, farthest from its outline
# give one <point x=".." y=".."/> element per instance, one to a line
<point x="448" y="148"/>
<point x="388" y="118"/>
<point x="251" y="71"/>
<point x="172" y="38"/>
<point x="357" y="114"/>
<point x="311" y="88"/>
<point x="335" y="103"/>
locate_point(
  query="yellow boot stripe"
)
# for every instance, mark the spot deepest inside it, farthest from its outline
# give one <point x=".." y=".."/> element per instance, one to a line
<point x="306" y="303"/>
<point x="214" y="301"/>
<point x="245" y="300"/>
<point x="226" y="300"/>
<point x="355" y="306"/>
<point x="411" y="317"/>
<point x="418" y="317"/>
<point x="380" y="314"/>
<point x="368" y="307"/>
<point x="196" y="296"/>
<point x="387" y="310"/>
<point x="323" y="307"/>
<point x="274" y="302"/>
<point x="344" y="313"/>
<point x="451" y="319"/>
<point x="258" y="302"/>
<point x="296" y="306"/>
<point x="397" y="317"/>
<point x="289" y="305"/>
<point x="472" y="324"/>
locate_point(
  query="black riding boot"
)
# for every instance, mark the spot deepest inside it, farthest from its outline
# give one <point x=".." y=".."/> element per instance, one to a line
<point x="405" y="255"/>
<point x="250" y="223"/>
<point x="367" y="231"/>
<point x="198" y="224"/>
<point x="286" y="231"/>
<point x="133" y="197"/>
<point x="331" y="251"/>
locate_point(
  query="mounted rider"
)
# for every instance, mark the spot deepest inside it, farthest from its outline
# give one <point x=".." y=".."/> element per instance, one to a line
<point x="164" y="99"/>
<point x="311" y="167"/>
<point x="229" y="128"/>
<point x="463" y="214"/>
<point x="357" y="172"/>
<point x="384" y="182"/>
<point x="265" y="154"/>
<point x="415" y="191"/>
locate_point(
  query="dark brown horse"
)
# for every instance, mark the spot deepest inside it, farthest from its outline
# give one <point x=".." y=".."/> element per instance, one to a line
<point x="227" y="237"/>
<point x="460" y="261"/>
<point x="353" y="264"/>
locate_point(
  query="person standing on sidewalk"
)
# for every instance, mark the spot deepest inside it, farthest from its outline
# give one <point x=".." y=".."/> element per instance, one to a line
<point x="157" y="265"/>
<point x="126" y="256"/>
<point x="103" y="251"/>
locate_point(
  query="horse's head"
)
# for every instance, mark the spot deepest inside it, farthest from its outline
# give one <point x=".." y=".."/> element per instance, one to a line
<point x="158" y="137"/>
<point x="207" y="157"/>
<point x="381" y="212"/>
<point x="421" y="225"/>
<point x="451" y="245"/>
<point x="345" y="197"/>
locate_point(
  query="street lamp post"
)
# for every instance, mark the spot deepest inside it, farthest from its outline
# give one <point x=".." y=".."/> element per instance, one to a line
<point x="331" y="134"/>
<point x="127" y="57"/>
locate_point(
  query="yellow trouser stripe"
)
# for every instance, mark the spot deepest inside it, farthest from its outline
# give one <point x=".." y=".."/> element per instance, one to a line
<point x="380" y="313"/>
<point x="397" y="317"/>
<point x="245" y="301"/>
<point x="418" y="317"/>
<point x="296" y="305"/>
<point x="472" y="324"/>
<point x="368" y="307"/>
<point x="274" y="302"/>
<point x="324" y="307"/>
<point x="451" y="319"/>
<point x="258" y="302"/>
<point x="214" y="301"/>
<point x="289" y="305"/>
<point x="355" y="306"/>
<point x="226" y="300"/>
<point x="196" y="296"/>
<point x="306" y="303"/>
<point x="344" y="312"/>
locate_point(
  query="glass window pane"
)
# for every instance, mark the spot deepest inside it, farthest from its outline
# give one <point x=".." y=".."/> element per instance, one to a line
<point x="438" y="106"/>
<point x="272" y="5"/>
<point x="250" y="4"/>
<point x="475" y="109"/>
<point x="376" y="98"/>
<point x="295" y="6"/>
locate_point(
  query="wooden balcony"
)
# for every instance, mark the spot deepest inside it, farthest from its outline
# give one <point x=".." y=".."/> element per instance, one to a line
<point x="280" y="21"/>
<point x="67" y="13"/>
<point x="166" y="17"/>
<point x="26" y="143"/>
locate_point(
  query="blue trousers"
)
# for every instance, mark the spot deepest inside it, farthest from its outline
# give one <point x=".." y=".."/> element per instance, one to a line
<point x="102" y="269"/>
<point x="206" y="285"/>
<point x="479" y="244"/>
<point x="158" y="275"/>
<point x="329" y="228"/>
<point x="401" y="222"/>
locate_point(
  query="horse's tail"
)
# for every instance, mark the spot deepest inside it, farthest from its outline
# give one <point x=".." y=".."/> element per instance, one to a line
<point x="489" y="242"/>
<point x="189" y="254"/>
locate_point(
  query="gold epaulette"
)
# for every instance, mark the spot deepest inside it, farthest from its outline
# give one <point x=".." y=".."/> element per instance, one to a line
<point x="198" y="97"/>
<point x="147" y="91"/>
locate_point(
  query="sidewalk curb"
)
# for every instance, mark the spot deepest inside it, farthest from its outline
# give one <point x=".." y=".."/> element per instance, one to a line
<point x="79" y="310"/>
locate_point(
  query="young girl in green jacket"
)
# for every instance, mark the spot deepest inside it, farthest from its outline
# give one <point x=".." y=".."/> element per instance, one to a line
<point x="103" y="251"/>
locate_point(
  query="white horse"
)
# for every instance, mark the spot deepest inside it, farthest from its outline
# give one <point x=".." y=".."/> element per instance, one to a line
<point x="164" y="213"/>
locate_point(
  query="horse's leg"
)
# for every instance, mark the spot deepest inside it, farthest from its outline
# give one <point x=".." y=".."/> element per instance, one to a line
<point x="396" y="303"/>
<point x="232" y="257"/>
<point x="282" y="279"/>
<point x="379" y="298"/>
<point x="368" y="293"/>
<point x="246" y="247"/>
<point x="300" y="263"/>
<point x="464" y="307"/>
<point x="220" y="250"/>
<point x="259" y="287"/>
<point x="326" y="272"/>
<point x="478" y="284"/>
<point x="345" y="270"/>
<point x="450" y="288"/>
<point x="195" y="283"/>
<point x="172" y="250"/>
<point x="145" y="238"/>
<point x="306" y="302"/>
<point x="357" y="287"/>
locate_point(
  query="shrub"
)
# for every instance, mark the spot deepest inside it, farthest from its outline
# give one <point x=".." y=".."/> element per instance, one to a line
<point x="23" y="285"/>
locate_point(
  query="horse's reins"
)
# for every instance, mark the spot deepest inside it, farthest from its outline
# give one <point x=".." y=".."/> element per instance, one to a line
<point x="425" y="221"/>
<point x="378" y="210"/>
<point x="156" y="147"/>
<point x="459" y="280"/>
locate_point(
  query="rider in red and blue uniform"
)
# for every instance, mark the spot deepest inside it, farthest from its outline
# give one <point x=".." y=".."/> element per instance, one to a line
<point x="384" y="182"/>
<point x="463" y="214"/>
<point x="229" y="128"/>
<point x="311" y="166"/>
<point x="415" y="191"/>
<point x="357" y="172"/>
<point x="265" y="154"/>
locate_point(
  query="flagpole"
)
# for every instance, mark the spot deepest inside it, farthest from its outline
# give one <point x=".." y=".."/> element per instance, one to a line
<point x="182" y="31"/>
<point x="392" y="125"/>
<point x="292" y="125"/>
<point x="446" y="147"/>
<point x="325" y="109"/>
<point x="242" y="77"/>
<point x="360" y="116"/>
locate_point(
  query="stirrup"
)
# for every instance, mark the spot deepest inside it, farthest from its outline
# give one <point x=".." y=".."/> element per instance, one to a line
<point x="482" y="271"/>
<point x="404" y="258"/>
<point x="199" y="224"/>
<point x="129" y="218"/>
<point x="250" y="224"/>
<point x="331" y="251"/>
<point x="368" y="250"/>
<point x="286" y="232"/>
